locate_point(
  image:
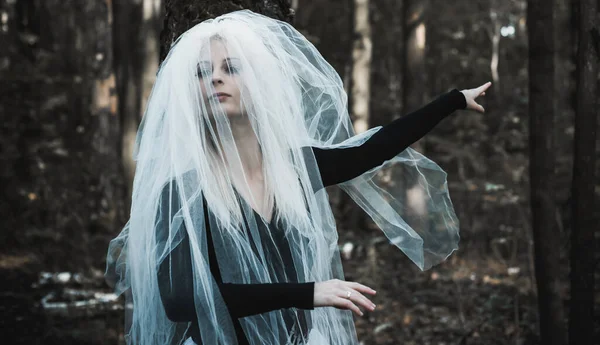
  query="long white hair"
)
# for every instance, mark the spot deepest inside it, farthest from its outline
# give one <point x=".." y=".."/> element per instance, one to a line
<point x="186" y="153"/>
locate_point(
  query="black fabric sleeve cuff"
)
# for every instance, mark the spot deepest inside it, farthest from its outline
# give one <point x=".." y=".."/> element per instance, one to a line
<point x="457" y="98"/>
<point x="250" y="299"/>
<point x="304" y="295"/>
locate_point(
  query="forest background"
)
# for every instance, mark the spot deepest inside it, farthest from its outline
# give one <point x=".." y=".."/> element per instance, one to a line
<point x="75" y="76"/>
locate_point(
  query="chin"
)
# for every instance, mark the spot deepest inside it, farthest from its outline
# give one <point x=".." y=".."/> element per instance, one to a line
<point x="234" y="115"/>
<point x="232" y="111"/>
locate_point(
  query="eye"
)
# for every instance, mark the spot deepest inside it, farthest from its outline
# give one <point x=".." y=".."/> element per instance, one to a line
<point x="203" y="71"/>
<point x="231" y="69"/>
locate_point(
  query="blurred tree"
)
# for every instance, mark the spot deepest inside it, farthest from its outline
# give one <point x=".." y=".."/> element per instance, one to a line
<point x="360" y="91"/>
<point x="542" y="109"/>
<point x="386" y="70"/>
<point x="106" y="127"/>
<point x="494" y="32"/>
<point x="415" y="45"/>
<point x="581" y="316"/>
<point x="137" y="27"/>
<point x="361" y="66"/>
<point x="415" y="95"/>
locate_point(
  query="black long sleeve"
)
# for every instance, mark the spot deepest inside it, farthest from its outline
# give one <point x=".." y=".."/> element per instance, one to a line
<point x="176" y="289"/>
<point x="338" y="165"/>
<point x="176" y="283"/>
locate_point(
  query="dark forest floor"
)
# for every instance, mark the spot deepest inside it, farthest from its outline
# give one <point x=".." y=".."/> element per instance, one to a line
<point x="466" y="300"/>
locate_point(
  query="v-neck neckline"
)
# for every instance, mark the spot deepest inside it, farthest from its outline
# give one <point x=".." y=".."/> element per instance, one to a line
<point x="272" y="212"/>
<point x="267" y="222"/>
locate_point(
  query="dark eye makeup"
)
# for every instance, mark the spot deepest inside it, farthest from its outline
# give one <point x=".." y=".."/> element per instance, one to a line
<point x="204" y="69"/>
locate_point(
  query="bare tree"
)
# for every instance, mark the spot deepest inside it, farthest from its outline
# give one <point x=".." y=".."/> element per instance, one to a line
<point x="137" y="27"/>
<point x="581" y="316"/>
<point x="361" y="66"/>
<point x="494" y="33"/>
<point x="415" y="94"/>
<point x="105" y="143"/>
<point x="415" y="44"/>
<point x="541" y="167"/>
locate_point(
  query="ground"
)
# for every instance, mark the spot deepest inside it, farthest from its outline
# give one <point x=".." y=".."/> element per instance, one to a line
<point x="465" y="300"/>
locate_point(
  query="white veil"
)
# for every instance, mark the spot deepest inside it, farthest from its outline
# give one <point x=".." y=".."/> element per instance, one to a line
<point x="186" y="151"/>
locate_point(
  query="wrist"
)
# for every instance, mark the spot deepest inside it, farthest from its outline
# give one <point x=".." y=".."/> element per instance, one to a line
<point x="459" y="99"/>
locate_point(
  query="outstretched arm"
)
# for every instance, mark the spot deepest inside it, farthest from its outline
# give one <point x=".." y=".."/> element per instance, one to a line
<point x="338" y="165"/>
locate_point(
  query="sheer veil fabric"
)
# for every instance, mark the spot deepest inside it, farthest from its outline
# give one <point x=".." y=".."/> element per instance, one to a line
<point x="187" y="147"/>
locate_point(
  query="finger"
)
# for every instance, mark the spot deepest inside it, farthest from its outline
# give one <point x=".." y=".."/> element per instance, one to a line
<point x="362" y="299"/>
<point x="483" y="93"/>
<point x="359" y="298"/>
<point x="345" y="303"/>
<point x="362" y="288"/>
<point x="475" y="106"/>
<point x="484" y="86"/>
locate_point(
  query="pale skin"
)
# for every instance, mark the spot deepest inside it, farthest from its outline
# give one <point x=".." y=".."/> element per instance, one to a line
<point x="225" y="79"/>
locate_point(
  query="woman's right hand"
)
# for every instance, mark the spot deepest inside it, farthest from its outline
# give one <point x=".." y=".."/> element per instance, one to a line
<point x="334" y="293"/>
<point x="472" y="94"/>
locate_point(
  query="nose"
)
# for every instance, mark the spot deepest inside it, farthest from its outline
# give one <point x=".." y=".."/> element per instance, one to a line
<point x="217" y="78"/>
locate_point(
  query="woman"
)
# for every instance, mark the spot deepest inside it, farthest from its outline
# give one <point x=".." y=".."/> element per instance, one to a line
<point x="231" y="238"/>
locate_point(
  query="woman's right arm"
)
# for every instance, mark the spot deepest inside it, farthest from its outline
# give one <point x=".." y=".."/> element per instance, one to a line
<point x="250" y="299"/>
<point x="176" y="283"/>
<point x="177" y="291"/>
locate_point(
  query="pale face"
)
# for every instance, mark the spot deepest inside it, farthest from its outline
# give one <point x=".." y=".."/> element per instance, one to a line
<point x="223" y="72"/>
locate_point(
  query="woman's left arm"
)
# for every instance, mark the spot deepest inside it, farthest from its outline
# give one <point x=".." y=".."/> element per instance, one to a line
<point x="338" y="165"/>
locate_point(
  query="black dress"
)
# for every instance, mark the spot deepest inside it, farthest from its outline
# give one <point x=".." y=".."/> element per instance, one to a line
<point x="335" y="166"/>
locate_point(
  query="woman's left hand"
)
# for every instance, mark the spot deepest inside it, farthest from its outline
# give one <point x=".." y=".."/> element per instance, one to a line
<point x="472" y="94"/>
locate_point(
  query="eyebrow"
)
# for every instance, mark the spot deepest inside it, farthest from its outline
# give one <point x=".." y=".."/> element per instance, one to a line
<point x="228" y="60"/>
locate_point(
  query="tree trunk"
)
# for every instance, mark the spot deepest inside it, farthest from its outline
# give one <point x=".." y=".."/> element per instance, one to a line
<point x="66" y="133"/>
<point x="137" y="31"/>
<point x="494" y="33"/>
<point x="104" y="155"/>
<point x="152" y="20"/>
<point x="361" y="67"/>
<point x="183" y="14"/>
<point x="581" y="316"/>
<point x="415" y="43"/>
<point x="414" y="96"/>
<point x="542" y="163"/>
<point x="360" y="86"/>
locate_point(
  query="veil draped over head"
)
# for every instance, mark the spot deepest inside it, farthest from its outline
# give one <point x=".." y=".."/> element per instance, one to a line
<point x="188" y="150"/>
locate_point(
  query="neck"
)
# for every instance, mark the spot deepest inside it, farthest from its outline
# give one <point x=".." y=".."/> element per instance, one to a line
<point x="247" y="146"/>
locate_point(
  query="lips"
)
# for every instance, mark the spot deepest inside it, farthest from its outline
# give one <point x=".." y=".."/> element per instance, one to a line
<point x="221" y="94"/>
